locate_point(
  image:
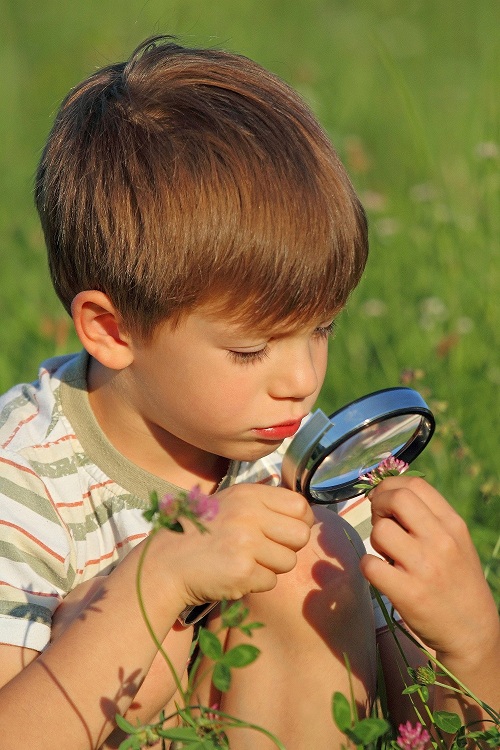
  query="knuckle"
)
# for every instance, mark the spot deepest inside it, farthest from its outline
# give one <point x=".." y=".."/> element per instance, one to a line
<point x="243" y="569"/>
<point x="243" y="539"/>
<point x="380" y="529"/>
<point x="405" y="496"/>
<point x="288" y="561"/>
<point x="416" y="484"/>
<point x="458" y="526"/>
<point x="300" y="503"/>
<point x="447" y="547"/>
<point x="294" y="503"/>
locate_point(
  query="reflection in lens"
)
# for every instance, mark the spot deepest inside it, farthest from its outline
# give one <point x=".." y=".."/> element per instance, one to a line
<point x="364" y="451"/>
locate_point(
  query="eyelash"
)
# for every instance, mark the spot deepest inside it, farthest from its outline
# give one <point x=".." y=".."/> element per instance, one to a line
<point x="324" y="332"/>
<point x="249" y="357"/>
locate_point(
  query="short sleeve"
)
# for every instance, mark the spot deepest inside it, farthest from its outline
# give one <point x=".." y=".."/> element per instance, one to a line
<point x="35" y="555"/>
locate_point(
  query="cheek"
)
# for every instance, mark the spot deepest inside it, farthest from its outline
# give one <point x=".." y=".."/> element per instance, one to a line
<point x="214" y="393"/>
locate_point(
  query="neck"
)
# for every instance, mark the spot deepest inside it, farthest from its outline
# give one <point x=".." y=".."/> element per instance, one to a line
<point x="144" y="443"/>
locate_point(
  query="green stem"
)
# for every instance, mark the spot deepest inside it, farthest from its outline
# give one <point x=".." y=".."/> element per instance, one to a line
<point x="354" y="705"/>
<point x="142" y="608"/>
<point x="391" y="624"/>
<point x="463" y="688"/>
<point x="232" y="721"/>
<point x="192" y="675"/>
<point x="448" y="687"/>
<point x="192" y="684"/>
<point x="194" y="669"/>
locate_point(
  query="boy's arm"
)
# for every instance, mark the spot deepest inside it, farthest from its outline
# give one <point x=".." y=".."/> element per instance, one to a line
<point x="436" y="583"/>
<point x="159" y="690"/>
<point x="68" y="696"/>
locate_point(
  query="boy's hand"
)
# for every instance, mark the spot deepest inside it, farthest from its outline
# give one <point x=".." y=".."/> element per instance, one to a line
<point x="435" y="580"/>
<point x="254" y="537"/>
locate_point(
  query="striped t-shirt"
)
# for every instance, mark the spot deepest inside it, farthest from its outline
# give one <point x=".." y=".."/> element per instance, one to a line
<point x="71" y="506"/>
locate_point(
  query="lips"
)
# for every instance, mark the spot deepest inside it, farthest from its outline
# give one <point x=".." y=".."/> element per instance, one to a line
<point x="278" y="431"/>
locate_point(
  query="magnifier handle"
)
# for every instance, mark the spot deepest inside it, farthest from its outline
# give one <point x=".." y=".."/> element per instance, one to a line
<point x="298" y="452"/>
<point x="195" y="612"/>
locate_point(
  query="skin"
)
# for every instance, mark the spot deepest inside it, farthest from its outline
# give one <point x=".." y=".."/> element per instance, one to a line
<point x="292" y="568"/>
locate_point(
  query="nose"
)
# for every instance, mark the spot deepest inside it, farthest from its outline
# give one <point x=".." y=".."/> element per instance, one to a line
<point x="299" y="372"/>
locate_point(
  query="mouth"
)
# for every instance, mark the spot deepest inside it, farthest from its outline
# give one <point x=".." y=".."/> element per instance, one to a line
<point x="278" y="431"/>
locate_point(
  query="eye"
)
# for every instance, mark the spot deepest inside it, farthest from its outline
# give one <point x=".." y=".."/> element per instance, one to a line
<point x="249" y="357"/>
<point x="325" y="332"/>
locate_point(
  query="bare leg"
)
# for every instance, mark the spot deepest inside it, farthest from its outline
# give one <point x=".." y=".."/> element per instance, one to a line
<point x="317" y="613"/>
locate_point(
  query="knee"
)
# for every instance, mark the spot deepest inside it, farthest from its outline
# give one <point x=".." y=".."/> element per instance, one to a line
<point x="326" y="583"/>
<point x="331" y="563"/>
<point x="337" y="585"/>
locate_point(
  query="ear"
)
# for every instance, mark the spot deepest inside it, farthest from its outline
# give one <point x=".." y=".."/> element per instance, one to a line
<point x="100" y="329"/>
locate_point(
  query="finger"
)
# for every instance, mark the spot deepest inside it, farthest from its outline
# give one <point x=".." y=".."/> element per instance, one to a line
<point x="276" y="557"/>
<point x="277" y="499"/>
<point x="396" y="545"/>
<point x="384" y="577"/>
<point x="271" y="522"/>
<point x="419" y="487"/>
<point x="408" y="509"/>
<point x="286" y="531"/>
<point x="262" y="579"/>
<point x="258" y="580"/>
<point x="282" y="500"/>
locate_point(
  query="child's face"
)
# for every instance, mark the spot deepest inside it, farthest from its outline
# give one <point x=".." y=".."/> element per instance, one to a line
<point x="229" y="391"/>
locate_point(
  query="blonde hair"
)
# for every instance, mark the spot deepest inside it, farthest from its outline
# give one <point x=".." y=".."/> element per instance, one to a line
<point x="192" y="176"/>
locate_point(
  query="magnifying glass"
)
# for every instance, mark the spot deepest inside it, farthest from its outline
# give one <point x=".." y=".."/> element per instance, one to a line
<point x="328" y="454"/>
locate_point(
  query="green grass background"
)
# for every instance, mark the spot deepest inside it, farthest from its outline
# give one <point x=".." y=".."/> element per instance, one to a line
<point x="409" y="93"/>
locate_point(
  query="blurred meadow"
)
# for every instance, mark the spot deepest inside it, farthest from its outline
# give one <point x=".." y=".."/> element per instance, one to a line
<point x="409" y="93"/>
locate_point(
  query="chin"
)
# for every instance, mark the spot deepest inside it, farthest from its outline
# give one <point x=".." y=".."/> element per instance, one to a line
<point x="254" y="452"/>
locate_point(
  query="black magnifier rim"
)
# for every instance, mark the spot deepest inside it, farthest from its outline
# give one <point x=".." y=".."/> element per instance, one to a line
<point x="408" y="452"/>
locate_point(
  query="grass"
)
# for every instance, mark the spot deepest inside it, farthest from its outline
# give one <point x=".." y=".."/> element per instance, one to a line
<point x="409" y="94"/>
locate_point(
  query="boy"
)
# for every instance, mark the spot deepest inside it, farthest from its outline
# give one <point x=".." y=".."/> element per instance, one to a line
<point x="203" y="234"/>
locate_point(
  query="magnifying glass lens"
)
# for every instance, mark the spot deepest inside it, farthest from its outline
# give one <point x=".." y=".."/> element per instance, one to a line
<point x="328" y="454"/>
<point x="363" y="451"/>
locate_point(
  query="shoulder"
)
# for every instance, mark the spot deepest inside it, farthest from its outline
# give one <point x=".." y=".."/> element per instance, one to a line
<point x="35" y="442"/>
<point x="30" y="412"/>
